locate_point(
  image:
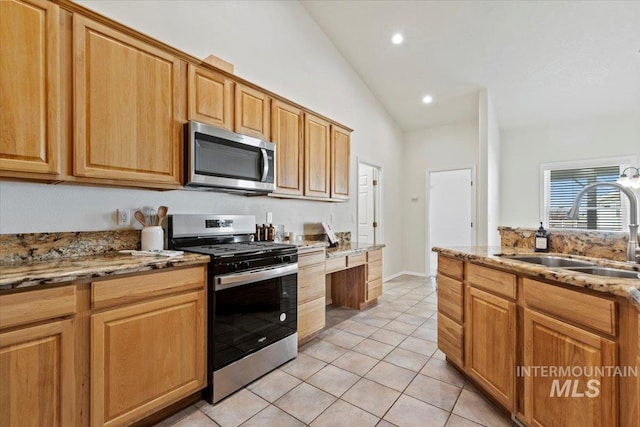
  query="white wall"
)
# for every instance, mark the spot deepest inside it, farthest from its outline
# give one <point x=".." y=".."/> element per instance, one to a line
<point x="439" y="148"/>
<point x="524" y="149"/>
<point x="290" y="56"/>
<point x="488" y="188"/>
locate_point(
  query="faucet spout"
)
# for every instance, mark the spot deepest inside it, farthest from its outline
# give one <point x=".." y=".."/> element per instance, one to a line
<point x="632" y="245"/>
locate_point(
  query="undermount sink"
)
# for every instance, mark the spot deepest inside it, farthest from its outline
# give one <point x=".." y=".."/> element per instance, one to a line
<point x="609" y="272"/>
<point x="551" y="261"/>
<point x="579" y="266"/>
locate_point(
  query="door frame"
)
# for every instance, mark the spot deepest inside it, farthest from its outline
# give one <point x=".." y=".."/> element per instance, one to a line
<point x="427" y="199"/>
<point x="377" y="203"/>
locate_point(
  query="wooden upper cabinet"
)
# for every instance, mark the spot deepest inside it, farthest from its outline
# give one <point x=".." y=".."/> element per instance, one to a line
<point x="252" y="112"/>
<point x="126" y="102"/>
<point x="340" y="162"/>
<point x="317" y="154"/>
<point x="286" y="128"/>
<point x="210" y="97"/>
<point x="29" y="87"/>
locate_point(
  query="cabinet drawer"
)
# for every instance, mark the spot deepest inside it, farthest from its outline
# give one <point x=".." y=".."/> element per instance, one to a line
<point x="588" y="310"/>
<point x="111" y="292"/>
<point x="450" y="298"/>
<point x="311" y="283"/>
<point x="32" y="306"/>
<point x="450" y="267"/>
<point x="374" y="270"/>
<point x="310" y="258"/>
<point x="450" y="339"/>
<point x="373" y="256"/>
<point x="336" y="264"/>
<point x="356" y="260"/>
<point x="495" y="281"/>
<point x="374" y="289"/>
<point x="311" y="317"/>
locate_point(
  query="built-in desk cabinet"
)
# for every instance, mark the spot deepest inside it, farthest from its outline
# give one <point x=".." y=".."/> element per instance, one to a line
<point x="37" y="358"/>
<point x="30" y="139"/>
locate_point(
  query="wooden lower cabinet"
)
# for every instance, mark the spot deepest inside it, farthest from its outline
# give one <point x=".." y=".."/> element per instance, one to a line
<point x="567" y="401"/>
<point x="37" y="375"/>
<point x="490" y="342"/>
<point x="145" y="356"/>
<point x="311" y="293"/>
<point x="374" y="275"/>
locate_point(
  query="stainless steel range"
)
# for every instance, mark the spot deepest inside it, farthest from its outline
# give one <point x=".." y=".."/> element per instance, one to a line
<point x="252" y="297"/>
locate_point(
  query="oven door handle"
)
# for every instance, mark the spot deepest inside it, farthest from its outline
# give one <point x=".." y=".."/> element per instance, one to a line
<point x="237" y="279"/>
<point x="265" y="165"/>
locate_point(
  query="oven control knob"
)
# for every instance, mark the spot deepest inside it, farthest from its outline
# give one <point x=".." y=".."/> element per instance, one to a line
<point x="243" y="265"/>
<point x="233" y="267"/>
<point x="286" y="258"/>
<point x="278" y="259"/>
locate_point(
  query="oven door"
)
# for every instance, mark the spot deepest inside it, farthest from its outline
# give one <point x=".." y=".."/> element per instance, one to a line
<point x="251" y="311"/>
<point x="227" y="160"/>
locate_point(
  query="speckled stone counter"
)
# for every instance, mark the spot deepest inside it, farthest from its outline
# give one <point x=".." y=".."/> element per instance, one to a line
<point x="490" y="256"/>
<point x="40" y="273"/>
<point x="349" y="248"/>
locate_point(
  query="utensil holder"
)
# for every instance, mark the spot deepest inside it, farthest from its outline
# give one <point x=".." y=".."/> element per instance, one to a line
<point x="152" y="238"/>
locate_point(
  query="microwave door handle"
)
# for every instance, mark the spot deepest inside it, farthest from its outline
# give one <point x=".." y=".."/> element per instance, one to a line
<point x="265" y="165"/>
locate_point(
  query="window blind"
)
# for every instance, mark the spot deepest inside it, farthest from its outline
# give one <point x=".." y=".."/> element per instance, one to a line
<point x="601" y="208"/>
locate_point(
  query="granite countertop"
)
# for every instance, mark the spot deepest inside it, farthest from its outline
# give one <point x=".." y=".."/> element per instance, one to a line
<point x="628" y="288"/>
<point x="38" y="273"/>
<point x="350" y="248"/>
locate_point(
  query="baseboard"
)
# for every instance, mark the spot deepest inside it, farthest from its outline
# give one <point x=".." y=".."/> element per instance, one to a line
<point x="410" y="273"/>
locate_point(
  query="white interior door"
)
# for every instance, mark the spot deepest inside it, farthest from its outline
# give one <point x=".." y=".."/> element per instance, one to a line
<point x="451" y="201"/>
<point x="366" y="204"/>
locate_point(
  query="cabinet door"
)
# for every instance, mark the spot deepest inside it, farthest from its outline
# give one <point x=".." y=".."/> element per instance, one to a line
<point x="316" y="156"/>
<point x="555" y="400"/>
<point x="340" y="162"/>
<point x="210" y="97"/>
<point x="126" y="101"/>
<point x="252" y="112"/>
<point x="37" y="376"/>
<point x="29" y="86"/>
<point x="146" y="356"/>
<point x="491" y="344"/>
<point x="286" y="128"/>
<point x="311" y="317"/>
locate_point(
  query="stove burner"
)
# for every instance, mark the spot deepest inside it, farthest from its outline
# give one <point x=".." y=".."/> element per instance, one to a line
<point x="224" y="249"/>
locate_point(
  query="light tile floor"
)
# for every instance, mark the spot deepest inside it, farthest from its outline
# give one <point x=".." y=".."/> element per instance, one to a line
<point x="377" y="367"/>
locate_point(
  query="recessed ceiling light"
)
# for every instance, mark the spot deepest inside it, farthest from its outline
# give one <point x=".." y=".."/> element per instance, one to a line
<point x="397" y="38"/>
<point x="427" y="99"/>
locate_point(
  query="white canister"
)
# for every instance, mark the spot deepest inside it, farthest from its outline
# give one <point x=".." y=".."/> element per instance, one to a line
<point x="152" y="238"/>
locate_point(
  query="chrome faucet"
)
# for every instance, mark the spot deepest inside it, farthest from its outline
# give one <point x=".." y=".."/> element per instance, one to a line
<point x="632" y="246"/>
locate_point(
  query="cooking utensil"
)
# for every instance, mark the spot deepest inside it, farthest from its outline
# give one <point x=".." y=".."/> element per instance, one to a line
<point x="162" y="212"/>
<point x="140" y="217"/>
<point x="153" y="217"/>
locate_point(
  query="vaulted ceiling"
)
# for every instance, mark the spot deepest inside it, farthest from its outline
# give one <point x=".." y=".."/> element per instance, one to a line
<point x="542" y="61"/>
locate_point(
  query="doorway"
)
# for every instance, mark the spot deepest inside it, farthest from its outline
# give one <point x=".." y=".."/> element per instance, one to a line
<point x="369" y="225"/>
<point x="451" y="212"/>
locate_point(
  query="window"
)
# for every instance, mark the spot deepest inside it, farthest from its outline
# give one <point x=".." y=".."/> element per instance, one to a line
<point x="603" y="208"/>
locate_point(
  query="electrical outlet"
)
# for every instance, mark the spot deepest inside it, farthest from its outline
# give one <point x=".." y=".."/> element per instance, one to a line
<point x="123" y="217"/>
<point x="269" y="217"/>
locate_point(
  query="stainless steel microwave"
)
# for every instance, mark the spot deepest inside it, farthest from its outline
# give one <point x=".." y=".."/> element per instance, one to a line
<point x="220" y="160"/>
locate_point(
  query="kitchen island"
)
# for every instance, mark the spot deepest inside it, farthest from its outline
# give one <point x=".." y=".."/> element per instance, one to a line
<point x="551" y="346"/>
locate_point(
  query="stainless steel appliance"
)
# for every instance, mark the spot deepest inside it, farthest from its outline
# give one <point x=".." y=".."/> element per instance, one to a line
<point x="221" y="160"/>
<point x="252" y="297"/>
